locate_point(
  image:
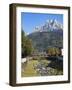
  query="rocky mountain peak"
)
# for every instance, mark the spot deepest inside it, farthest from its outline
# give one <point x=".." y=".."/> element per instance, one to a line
<point x="49" y="25"/>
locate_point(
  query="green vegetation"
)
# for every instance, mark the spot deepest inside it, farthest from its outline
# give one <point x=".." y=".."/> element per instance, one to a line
<point x="27" y="47"/>
<point x="53" y="51"/>
<point x="29" y="69"/>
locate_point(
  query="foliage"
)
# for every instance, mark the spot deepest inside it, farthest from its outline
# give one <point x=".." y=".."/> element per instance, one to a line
<point x="53" y="51"/>
<point x="26" y="44"/>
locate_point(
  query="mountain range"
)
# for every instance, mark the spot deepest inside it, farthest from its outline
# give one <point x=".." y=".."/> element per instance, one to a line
<point x="48" y="35"/>
<point x="49" y="25"/>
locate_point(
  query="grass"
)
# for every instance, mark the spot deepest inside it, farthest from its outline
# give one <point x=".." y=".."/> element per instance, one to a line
<point x="29" y="69"/>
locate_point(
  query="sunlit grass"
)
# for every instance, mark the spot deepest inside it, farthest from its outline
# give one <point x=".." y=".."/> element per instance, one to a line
<point x="29" y="69"/>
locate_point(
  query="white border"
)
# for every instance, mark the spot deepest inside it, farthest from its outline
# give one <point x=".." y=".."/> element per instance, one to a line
<point x="63" y="77"/>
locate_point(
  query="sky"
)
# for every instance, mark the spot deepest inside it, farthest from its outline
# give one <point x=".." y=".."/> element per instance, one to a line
<point x="30" y="20"/>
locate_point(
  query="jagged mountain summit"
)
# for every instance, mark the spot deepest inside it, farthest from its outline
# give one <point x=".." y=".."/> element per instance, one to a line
<point x="49" y="25"/>
<point x="48" y="35"/>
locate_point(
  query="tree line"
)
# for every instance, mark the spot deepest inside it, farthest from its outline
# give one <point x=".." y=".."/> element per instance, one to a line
<point x="26" y="45"/>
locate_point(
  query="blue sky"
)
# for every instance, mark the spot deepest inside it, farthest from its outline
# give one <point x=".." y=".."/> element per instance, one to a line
<point x="30" y="20"/>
